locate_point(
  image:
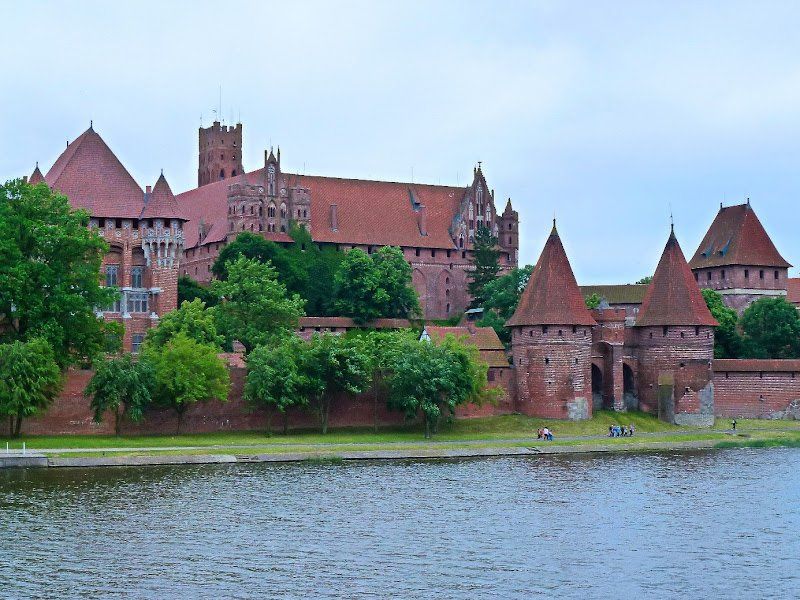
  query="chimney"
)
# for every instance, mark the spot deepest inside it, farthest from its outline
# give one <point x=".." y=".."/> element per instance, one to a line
<point x="334" y="218"/>
<point x="422" y="220"/>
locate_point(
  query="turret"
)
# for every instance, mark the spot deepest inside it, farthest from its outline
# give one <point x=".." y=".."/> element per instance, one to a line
<point x="247" y="208"/>
<point x="36" y="176"/>
<point x="220" y="152"/>
<point x="551" y="340"/>
<point x="675" y="337"/>
<point x="508" y="232"/>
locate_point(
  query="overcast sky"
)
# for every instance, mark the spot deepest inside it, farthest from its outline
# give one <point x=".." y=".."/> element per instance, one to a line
<point x="606" y="114"/>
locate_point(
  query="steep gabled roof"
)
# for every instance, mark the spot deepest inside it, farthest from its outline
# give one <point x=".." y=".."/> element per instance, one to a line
<point x="673" y="297"/>
<point x="36" y="176"/>
<point x="737" y="237"/>
<point x="93" y="178"/>
<point x="162" y="203"/>
<point x="552" y="296"/>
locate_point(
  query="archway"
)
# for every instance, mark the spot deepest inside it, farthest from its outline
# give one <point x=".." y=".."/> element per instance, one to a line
<point x="597" y="387"/>
<point x="629" y="388"/>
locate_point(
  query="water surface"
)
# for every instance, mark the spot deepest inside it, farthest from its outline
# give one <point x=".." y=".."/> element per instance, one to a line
<point x="705" y="524"/>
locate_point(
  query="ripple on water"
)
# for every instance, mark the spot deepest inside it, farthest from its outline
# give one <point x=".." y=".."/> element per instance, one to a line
<point x="704" y="524"/>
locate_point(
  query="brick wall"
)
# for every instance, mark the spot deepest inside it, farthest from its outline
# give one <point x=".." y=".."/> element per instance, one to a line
<point x="757" y="389"/>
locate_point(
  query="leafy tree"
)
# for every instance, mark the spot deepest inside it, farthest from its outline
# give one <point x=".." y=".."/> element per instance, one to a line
<point x="185" y="372"/>
<point x="49" y="273"/>
<point x="122" y="386"/>
<point x="29" y="380"/>
<point x="318" y="268"/>
<point x="645" y="280"/>
<point x="771" y="329"/>
<point x="332" y="365"/>
<point x="255" y="247"/>
<point x="377" y="286"/>
<point x="433" y="379"/>
<point x="192" y="319"/>
<point x="727" y="341"/>
<point x="255" y="306"/>
<point x="274" y="379"/>
<point x="593" y="300"/>
<point x="501" y="297"/>
<point x="486" y="262"/>
<point x="189" y="289"/>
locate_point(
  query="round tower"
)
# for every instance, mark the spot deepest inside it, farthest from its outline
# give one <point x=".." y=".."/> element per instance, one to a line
<point x="675" y="344"/>
<point x="551" y="340"/>
<point x="220" y="152"/>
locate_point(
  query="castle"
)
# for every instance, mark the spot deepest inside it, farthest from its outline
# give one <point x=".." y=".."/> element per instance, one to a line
<point x="646" y="347"/>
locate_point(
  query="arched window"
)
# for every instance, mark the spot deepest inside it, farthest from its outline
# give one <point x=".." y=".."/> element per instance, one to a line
<point x="461" y="241"/>
<point x="271" y="179"/>
<point x="222" y="173"/>
<point x="233" y="173"/>
<point x="283" y="211"/>
<point x="271" y="210"/>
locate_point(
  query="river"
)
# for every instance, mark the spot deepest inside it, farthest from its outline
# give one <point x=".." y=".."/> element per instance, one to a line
<point x="661" y="525"/>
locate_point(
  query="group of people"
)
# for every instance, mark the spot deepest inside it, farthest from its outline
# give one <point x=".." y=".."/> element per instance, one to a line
<point x="544" y="434"/>
<point x="623" y="431"/>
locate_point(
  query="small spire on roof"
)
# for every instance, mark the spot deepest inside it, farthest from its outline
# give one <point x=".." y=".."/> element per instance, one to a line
<point x="91" y="123"/>
<point x="554" y="231"/>
<point x="748" y="201"/>
<point x="162" y="171"/>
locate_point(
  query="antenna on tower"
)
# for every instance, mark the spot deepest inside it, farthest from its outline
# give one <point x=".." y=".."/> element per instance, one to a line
<point x="671" y="219"/>
<point x="220" y="102"/>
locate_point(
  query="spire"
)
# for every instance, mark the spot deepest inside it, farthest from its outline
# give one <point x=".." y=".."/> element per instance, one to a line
<point x="162" y="203"/>
<point x="552" y="296"/>
<point x="36" y="176"/>
<point x="673" y="297"/>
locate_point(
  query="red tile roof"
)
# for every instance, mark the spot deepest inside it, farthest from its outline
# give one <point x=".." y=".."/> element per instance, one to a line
<point x="673" y="297"/>
<point x="749" y="365"/>
<point x="93" y="178"/>
<point x="485" y="339"/>
<point x="162" y="202"/>
<point x="737" y="237"/>
<point x="36" y="176"/>
<point x="552" y="296"/>
<point x="368" y="212"/>
<point x="793" y="290"/>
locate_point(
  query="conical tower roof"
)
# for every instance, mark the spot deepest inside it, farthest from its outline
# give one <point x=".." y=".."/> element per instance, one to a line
<point x="673" y="297"/>
<point x="552" y="296"/>
<point x="36" y="176"/>
<point x="161" y="203"/>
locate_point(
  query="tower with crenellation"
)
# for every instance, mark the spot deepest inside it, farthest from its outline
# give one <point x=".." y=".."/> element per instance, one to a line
<point x="220" y="152"/>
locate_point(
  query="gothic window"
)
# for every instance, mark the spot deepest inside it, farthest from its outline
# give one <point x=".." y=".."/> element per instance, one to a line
<point x="479" y="194"/>
<point x="271" y="210"/>
<point x="461" y="241"/>
<point x="271" y="179"/>
<point x="283" y="211"/>
<point x="252" y="210"/>
<point x="112" y="274"/>
<point x="136" y="342"/>
<point x="137" y="302"/>
<point x="137" y="277"/>
<point x="471" y="212"/>
<point x="305" y="214"/>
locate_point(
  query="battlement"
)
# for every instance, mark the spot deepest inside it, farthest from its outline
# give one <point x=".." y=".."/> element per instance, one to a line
<point x="219" y="152"/>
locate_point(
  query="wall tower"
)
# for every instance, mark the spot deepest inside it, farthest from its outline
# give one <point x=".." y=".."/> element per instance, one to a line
<point x="220" y="153"/>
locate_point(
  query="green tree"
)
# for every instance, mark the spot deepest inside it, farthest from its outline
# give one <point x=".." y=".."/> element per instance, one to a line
<point x="122" y="386"/>
<point x="255" y="247"/>
<point x="333" y="365"/>
<point x="189" y="289"/>
<point x="377" y="286"/>
<point x="29" y="380"/>
<point x="593" y="300"/>
<point x="727" y="341"/>
<point x="433" y="379"/>
<point x="186" y="372"/>
<point x="647" y="279"/>
<point x="255" y="306"/>
<point x="192" y="319"/>
<point x="49" y="273"/>
<point x="501" y="297"/>
<point x="274" y="379"/>
<point x="486" y="264"/>
<point x="771" y="328"/>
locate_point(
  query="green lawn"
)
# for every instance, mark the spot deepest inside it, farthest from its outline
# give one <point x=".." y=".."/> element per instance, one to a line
<point x="491" y="429"/>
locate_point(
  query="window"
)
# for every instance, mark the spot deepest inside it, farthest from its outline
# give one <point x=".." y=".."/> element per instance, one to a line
<point x="665" y="330"/>
<point x="697" y="276"/>
<point x="112" y="273"/>
<point x="137" y="278"/>
<point x="416" y="251"/>
<point x="448" y="254"/>
<point x="137" y="302"/>
<point x="136" y="342"/>
<point x="433" y="255"/>
<point x="490" y="375"/>
<point x="574" y="329"/>
<point x="448" y="309"/>
<point x="544" y="328"/>
<point x="776" y="275"/>
<point x="761" y="274"/>
<point x="746" y="274"/>
<point x="708" y="276"/>
<point x="222" y="173"/>
<point x="547" y="361"/>
<point x="722" y="274"/>
<point x="697" y="330"/>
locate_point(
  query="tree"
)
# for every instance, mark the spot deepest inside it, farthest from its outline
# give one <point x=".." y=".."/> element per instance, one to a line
<point x="186" y="372"/>
<point x="501" y="297"/>
<point x="49" y="273"/>
<point x="318" y="268"/>
<point x="771" y="328"/>
<point x="486" y="264"/>
<point x="377" y="286"/>
<point x="727" y="341"/>
<point x="647" y="279"/>
<point x="254" y="247"/>
<point x="192" y="319"/>
<point x="29" y="380"/>
<point x="189" y="289"/>
<point x="122" y="386"/>
<point x="255" y="306"/>
<point x="332" y="365"/>
<point x="433" y="379"/>
<point x="274" y="379"/>
<point x="593" y="300"/>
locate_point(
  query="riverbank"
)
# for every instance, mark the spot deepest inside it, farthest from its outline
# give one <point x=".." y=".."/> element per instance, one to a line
<point x="496" y="436"/>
